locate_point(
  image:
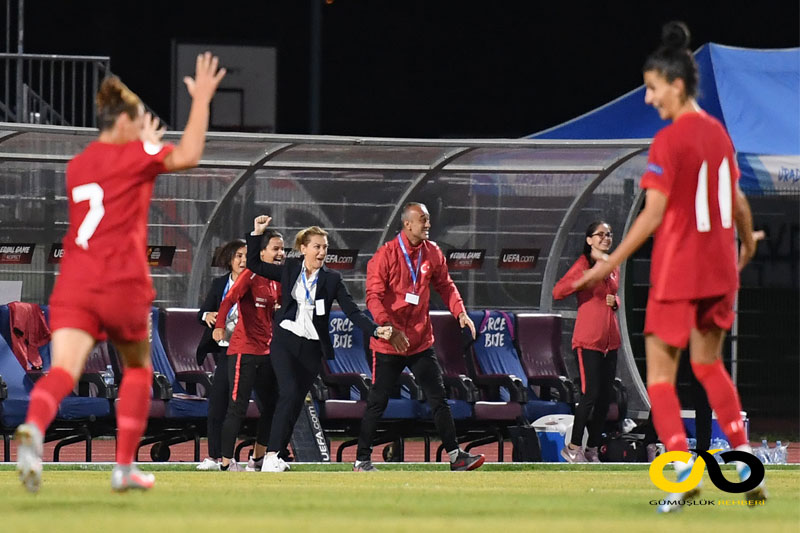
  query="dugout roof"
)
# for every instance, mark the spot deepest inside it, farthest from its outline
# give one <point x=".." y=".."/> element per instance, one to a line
<point x="756" y="95"/>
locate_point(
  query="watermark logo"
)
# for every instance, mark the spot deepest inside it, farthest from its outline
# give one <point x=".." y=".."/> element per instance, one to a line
<point x="706" y="459"/>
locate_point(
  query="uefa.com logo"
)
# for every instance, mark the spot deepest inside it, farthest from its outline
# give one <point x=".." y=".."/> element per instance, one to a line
<point x="706" y="458"/>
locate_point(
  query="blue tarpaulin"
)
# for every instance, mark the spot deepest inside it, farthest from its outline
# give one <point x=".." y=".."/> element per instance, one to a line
<point x="756" y="95"/>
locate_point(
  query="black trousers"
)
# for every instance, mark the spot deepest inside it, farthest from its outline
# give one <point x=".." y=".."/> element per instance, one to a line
<point x="597" y="384"/>
<point x="246" y="373"/>
<point x="297" y="362"/>
<point x="217" y="406"/>
<point x="428" y="373"/>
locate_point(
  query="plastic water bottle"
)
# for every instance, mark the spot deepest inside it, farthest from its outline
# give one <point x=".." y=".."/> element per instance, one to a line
<point x="763" y="452"/>
<point x="783" y="450"/>
<point x="719" y="444"/>
<point x="776" y="454"/>
<point x="724" y="444"/>
<point x="108" y="375"/>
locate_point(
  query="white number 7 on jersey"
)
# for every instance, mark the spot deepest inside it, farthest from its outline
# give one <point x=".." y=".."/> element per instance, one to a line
<point x="94" y="193"/>
<point x="724" y="197"/>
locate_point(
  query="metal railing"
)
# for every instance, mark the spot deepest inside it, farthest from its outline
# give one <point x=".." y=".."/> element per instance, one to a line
<point x="51" y="89"/>
<point x="37" y="110"/>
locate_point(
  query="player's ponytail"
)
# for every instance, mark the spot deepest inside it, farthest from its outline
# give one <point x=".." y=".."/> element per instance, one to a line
<point x="675" y="35"/>
<point x="114" y="98"/>
<point x="673" y="59"/>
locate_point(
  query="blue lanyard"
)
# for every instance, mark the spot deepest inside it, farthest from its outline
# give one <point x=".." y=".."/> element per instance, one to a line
<point x="224" y="292"/>
<point x="305" y="284"/>
<point x="414" y="275"/>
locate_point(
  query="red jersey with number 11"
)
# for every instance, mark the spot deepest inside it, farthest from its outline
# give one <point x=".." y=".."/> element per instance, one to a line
<point x="692" y="161"/>
<point x="108" y="191"/>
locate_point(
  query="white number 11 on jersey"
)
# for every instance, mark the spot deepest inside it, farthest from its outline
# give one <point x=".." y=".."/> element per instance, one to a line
<point x="724" y="197"/>
<point x="94" y="193"/>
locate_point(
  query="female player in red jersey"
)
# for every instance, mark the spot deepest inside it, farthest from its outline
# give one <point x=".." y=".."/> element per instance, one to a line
<point x="692" y="202"/>
<point x="104" y="287"/>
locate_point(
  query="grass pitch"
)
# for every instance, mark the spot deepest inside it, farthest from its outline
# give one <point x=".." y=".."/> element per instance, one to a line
<point x="400" y="498"/>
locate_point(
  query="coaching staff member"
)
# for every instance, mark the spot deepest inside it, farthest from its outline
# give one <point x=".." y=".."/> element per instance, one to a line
<point x="300" y="336"/>
<point x="399" y="277"/>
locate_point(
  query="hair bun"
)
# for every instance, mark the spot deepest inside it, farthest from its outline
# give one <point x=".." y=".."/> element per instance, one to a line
<point x="675" y="34"/>
<point x="110" y="89"/>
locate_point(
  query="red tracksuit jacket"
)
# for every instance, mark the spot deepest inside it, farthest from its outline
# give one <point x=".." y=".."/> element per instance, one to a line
<point x="388" y="281"/>
<point x="257" y="297"/>
<point x="596" y="327"/>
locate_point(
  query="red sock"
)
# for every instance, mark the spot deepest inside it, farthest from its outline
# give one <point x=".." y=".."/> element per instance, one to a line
<point x="46" y="395"/>
<point x="666" y="410"/>
<point x="723" y="398"/>
<point x="132" y="410"/>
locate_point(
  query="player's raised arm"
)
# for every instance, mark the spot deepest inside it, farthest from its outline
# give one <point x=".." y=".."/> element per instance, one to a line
<point x="201" y="88"/>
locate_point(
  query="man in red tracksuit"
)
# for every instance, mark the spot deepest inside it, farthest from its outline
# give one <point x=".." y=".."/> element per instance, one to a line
<point x="399" y="277"/>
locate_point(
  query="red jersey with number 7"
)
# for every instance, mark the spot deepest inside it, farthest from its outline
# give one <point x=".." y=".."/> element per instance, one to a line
<point x="692" y="162"/>
<point x="109" y="187"/>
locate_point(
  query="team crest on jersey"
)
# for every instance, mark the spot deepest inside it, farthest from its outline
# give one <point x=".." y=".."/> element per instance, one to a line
<point x="655" y="169"/>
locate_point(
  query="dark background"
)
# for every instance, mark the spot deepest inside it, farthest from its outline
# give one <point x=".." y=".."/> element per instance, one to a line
<point x="414" y="68"/>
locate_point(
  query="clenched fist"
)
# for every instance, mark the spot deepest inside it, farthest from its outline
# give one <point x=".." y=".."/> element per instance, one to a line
<point x="260" y="224"/>
<point x="384" y="332"/>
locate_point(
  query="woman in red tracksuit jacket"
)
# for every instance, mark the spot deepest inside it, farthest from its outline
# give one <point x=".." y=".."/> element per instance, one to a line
<point x="249" y="364"/>
<point x="595" y="341"/>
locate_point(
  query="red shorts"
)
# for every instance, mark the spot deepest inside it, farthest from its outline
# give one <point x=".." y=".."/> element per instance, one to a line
<point x="672" y="321"/>
<point x="120" y="312"/>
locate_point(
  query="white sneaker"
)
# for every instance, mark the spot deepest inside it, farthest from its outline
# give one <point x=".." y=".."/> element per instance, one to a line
<point x="676" y="501"/>
<point x="29" y="456"/>
<point x="254" y="466"/>
<point x="758" y="495"/>
<point x="208" y="464"/>
<point x="273" y="463"/>
<point x="573" y="455"/>
<point x="127" y="478"/>
<point x="591" y="454"/>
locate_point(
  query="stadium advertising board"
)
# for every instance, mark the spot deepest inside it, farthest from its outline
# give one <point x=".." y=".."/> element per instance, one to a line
<point x="56" y="253"/>
<point x="160" y="256"/>
<point x="465" y="259"/>
<point x="16" y="253"/>
<point x="341" y="259"/>
<point x="518" y="258"/>
<point x="157" y="256"/>
<point x="337" y="259"/>
<point x="291" y="253"/>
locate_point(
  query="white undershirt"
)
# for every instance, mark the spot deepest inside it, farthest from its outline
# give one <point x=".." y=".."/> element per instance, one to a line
<point x="233" y="314"/>
<point x="303" y="324"/>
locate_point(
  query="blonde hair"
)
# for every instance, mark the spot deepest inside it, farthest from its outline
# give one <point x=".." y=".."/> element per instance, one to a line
<point x="114" y="98"/>
<point x="304" y="236"/>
